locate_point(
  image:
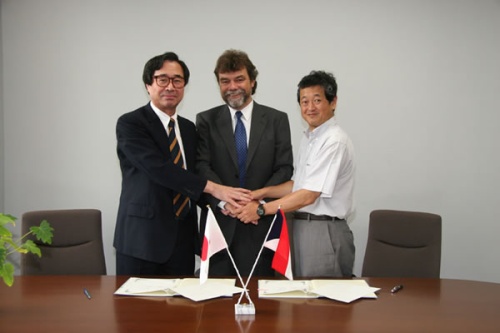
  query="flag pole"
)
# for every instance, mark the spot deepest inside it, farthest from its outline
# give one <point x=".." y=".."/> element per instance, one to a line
<point x="234" y="265"/>
<point x="258" y="257"/>
<point x="241" y="279"/>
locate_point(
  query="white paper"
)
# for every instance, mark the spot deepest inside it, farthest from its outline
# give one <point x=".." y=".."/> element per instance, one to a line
<point x="343" y="290"/>
<point x="285" y="289"/>
<point x="189" y="288"/>
<point x="135" y="286"/>
<point x="340" y="290"/>
<point x="212" y="288"/>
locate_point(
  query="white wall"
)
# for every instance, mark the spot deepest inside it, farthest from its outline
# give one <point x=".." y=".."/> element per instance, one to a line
<point x="418" y="83"/>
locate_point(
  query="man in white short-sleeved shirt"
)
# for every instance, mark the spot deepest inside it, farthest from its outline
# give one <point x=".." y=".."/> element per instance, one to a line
<point x="321" y="191"/>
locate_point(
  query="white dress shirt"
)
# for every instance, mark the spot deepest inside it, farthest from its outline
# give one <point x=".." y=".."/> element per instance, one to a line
<point x="165" y="120"/>
<point x="246" y="118"/>
<point x="326" y="164"/>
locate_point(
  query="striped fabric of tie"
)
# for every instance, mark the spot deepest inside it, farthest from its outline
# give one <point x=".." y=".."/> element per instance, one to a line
<point x="181" y="206"/>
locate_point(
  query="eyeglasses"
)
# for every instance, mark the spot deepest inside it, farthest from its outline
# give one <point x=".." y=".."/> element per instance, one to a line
<point x="163" y="81"/>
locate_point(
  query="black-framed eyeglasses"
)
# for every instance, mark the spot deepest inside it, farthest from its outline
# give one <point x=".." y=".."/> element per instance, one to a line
<point x="163" y="81"/>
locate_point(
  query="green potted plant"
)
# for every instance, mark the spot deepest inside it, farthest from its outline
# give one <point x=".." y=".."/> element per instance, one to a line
<point x="8" y="245"/>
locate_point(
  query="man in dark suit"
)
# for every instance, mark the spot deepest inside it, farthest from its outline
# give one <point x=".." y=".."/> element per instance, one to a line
<point x="157" y="151"/>
<point x="265" y="159"/>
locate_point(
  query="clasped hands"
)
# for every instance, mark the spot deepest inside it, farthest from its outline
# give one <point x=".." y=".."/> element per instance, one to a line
<point x="244" y="210"/>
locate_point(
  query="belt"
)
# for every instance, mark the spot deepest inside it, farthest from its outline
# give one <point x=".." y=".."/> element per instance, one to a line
<point x="307" y="216"/>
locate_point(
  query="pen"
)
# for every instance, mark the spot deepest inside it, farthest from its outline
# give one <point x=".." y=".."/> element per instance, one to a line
<point x="397" y="288"/>
<point x="86" y="292"/>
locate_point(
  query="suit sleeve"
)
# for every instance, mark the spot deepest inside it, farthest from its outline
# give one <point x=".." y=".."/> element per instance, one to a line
<point x="138" y="149"/>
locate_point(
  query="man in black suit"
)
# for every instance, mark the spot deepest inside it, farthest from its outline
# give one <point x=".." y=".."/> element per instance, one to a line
<point x="267" y="160"/>
<point x="153" y="236"/>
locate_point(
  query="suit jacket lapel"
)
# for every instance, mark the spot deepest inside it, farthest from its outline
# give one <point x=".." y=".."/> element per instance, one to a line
<point x="157" y="129"/>
<point x="259" y="123"/>
<point x="224" y="125"/>
<point x="187" y="142"/>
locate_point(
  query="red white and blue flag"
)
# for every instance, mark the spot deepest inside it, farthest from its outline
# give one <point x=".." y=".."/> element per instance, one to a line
<point x="278" y="241"/>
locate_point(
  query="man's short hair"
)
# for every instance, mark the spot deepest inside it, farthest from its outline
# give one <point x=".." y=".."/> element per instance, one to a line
<point x="319" y="78"/>
<point x="235" y="60"/>
<point x="157" y="62"/>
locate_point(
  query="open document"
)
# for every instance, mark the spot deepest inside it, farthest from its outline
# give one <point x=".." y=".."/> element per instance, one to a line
<point x="340" y="290"/>
<point x="189" y="288"/>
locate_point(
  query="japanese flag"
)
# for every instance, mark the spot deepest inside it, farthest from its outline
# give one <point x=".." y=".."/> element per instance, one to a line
<point x="213" y="242"/>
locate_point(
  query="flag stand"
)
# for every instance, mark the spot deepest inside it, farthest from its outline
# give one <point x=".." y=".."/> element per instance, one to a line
<point x="214" y="241"/>
<point x="242" y="309"/>
<point x="249" y="309"/>
<point x="214" y="237"/>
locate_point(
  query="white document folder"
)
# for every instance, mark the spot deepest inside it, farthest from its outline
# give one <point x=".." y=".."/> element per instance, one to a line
<point x="135" y="286"/>
<point x="340" y="290"/>
<point x="189" y="288"/>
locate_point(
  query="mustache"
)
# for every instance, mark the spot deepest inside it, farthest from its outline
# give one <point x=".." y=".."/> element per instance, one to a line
<point x="234" y="92"/>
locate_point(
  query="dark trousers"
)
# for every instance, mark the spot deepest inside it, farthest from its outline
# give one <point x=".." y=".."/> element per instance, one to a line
<point x="127" y="265"/>
<point x="181" y="262"/>
<point x="244" y="248"/>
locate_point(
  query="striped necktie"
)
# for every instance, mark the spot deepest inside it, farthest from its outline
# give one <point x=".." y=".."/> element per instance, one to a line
<point x="240" y="138"/>
<point x="181" y="202"/>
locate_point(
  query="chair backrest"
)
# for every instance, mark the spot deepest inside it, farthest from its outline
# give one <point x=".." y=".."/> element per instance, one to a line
<point x="76" y="248"/>
<point x="403" y="244"/>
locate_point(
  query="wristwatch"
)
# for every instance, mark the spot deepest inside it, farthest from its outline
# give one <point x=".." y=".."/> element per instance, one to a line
<point x="260" y="210"/>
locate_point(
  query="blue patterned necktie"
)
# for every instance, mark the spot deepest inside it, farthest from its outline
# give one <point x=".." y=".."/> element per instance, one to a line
<point x="240" y="138"/>
<point x="181" y="206"/>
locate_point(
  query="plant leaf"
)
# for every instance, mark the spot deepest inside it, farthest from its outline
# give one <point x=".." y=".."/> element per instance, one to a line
<point x="6" y="218"/>
<point x="7" y="273"/>
<point x="30" y="246"/>
<point x="14" y="245"/>
<point x="43" y="232"/>
<point x="3" y="255"/>
<point x="5" y="232"/>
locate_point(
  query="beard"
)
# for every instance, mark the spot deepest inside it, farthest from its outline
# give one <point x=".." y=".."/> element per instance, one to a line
<point x="236" y="102"/>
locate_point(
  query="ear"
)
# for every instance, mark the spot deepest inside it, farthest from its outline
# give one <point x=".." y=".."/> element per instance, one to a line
<point x="333" y="104"/>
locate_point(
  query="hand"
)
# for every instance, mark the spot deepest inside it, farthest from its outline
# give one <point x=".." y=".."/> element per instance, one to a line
<point x="258" y="194"/>
<point x="229" y="210"/>
<point x="248" y="213"/>
<point x="231" y="195"/>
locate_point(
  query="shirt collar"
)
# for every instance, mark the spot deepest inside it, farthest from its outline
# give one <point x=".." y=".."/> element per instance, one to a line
<point x="162" y="115"/>
<point x="247" y="111"/>
<point x="321" y="128"/>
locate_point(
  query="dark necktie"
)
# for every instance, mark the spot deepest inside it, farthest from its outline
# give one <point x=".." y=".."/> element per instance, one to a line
<point x="181" y="206"/>
<point x="240" y="138"/>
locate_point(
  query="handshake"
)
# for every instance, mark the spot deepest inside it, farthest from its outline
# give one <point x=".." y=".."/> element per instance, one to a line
<point x="245" y="203"/>
<point x="246" y="209"/>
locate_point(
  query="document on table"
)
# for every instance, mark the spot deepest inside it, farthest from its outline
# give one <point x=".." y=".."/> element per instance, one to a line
<point x="340" y="290"/>
<point x="135" y="286"/>
<point x="286" y="289"/>
<point x="212" y="288"/>
<point x="189" y="288"/>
